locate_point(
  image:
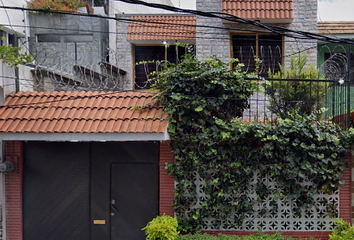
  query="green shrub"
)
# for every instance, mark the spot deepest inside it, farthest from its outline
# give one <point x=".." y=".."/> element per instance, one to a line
<point x="162" y="228"/>
<point x="304" y="96"/>
<point x="344" y="231"/>
<point x="258" y="236"/>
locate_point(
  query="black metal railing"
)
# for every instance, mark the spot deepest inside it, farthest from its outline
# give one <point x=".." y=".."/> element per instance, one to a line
<point x="279" y="97"/>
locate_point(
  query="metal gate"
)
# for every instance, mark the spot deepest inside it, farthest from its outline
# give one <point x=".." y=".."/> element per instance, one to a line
<point x="89" y="191"/>
<point x="56" y="191"/>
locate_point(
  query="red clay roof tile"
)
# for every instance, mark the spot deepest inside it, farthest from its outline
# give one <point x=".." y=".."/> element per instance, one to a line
<point x="259" y="9"/>
<point x="81" y="112"/>
<point x="160" y="28"/>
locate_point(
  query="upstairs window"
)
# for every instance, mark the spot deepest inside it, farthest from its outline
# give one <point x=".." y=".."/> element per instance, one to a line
<point x="8" y="39"/>
<point x="266" y="47"/>
<point x="157" y="56"/>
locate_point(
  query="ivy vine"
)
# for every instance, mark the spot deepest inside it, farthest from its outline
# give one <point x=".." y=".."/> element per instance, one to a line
<point x="204" y="100"/>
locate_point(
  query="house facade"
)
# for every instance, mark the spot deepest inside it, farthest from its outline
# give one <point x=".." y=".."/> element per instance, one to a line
<point x="87" y="164"/>
<point x="336" y="60"/>
<point x="221" y="37"/>
<point x="82" y="159"/>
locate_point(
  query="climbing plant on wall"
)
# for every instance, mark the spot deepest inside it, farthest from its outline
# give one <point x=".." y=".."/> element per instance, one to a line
<point x="204" y="100"/>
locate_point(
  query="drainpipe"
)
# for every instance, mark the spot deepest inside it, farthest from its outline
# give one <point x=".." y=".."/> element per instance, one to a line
<point x="348" y="87"/>
<point x="17" y="77"/>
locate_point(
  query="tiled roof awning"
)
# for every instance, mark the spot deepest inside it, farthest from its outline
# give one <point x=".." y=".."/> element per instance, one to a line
<point x="263" y="10"/>
<point x="82" y="116"/>
<point x="343" y="27"/>
<point x="162" y="28"/>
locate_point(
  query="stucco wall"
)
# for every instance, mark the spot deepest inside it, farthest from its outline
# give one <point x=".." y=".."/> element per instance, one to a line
<point x="61" y="56"/>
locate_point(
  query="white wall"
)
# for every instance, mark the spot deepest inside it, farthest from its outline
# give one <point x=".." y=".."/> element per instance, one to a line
<point x="12" y="20"/>
<point x="7" y="79"/>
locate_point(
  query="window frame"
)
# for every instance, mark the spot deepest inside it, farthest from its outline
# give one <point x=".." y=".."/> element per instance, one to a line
<point x="134" y="59"/>
<point x="257" y="44"/>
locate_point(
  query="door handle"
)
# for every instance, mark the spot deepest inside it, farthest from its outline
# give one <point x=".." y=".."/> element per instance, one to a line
<point x="114" y="208"/>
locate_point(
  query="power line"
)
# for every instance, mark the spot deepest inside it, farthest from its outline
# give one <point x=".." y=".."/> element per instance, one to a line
<point x="149" y="34"/>
<point x="166" y="25"/>
<point x="235" y="19"/>
<point x="273" y="29"/>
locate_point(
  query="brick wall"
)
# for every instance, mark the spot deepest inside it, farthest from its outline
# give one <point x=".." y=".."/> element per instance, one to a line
<point x="166" y="181"/>
<point x="13" y="191"/>
<point x="345" y="203"/>
<point x="316" y="235"/>
<point x="352" y="187"/>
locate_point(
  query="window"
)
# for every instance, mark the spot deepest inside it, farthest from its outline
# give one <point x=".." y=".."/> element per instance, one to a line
<point x="7" y="38"/>
<point x="160" y="55"/>
<point x="266" y="47"/>
<point x="55" y="38"/>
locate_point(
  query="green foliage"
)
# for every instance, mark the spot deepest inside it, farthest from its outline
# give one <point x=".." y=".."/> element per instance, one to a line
<point x="202" y="100"/>
<point x="203" y="90"/>
<point x="162" y="228"/>
<point x="12" y="56"/>
<point x="343" y="231"/>
<point x="290" y="96"/>
<point x="258" y="236"/>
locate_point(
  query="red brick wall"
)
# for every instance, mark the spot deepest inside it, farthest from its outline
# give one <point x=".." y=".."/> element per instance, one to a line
<point x="352" y="185"/>
<point x="166" y="181"/>
<point x="316" y="235"/>
<point x="345" y="192"/>
<point x="13" y="189"/>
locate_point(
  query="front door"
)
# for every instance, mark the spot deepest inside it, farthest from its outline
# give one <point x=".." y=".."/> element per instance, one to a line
<point x="134" y="199"/>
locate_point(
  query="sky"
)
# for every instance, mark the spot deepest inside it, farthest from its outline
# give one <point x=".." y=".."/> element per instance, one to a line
<point x="335" y="10"/>
<point x="328" y="10"/>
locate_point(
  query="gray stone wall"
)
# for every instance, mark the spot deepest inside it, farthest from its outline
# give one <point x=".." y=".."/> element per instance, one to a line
<point x="217" y="42"/>
<point x="124" y="54"/>
<point x="211" y="41"/>
<point x="304" y="19"/>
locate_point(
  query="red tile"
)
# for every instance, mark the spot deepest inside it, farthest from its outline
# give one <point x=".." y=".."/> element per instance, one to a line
<point x="91" y="112"/>
<point x="153" y="31"/>
<point x="259" y="9"/>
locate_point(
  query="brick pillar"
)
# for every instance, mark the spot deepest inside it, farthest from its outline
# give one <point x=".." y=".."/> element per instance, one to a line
<point x="166" y="181"/>
<point x="345" y="196"/>
<point x="352" y="186"/>
<point x="13" y="191"/>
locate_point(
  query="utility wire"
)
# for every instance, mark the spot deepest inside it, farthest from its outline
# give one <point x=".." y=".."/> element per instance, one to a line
<point x="166" y="25"/>
<point x="273" y="29"/>
<point x="235" y="19"/>
<point x="73" y="31"/>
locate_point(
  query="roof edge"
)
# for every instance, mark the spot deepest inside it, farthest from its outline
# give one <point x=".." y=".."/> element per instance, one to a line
<point x="85" y="137"/>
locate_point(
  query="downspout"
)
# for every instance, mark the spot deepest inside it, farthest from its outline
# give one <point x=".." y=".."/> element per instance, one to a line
<point x="17" y="75"/>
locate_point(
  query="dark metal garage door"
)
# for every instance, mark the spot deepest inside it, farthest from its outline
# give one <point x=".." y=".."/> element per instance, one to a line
<point x="89" y="191"/>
